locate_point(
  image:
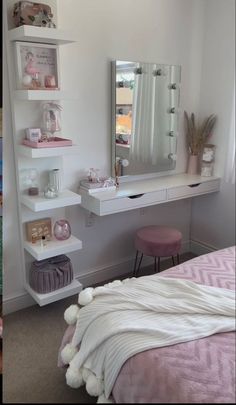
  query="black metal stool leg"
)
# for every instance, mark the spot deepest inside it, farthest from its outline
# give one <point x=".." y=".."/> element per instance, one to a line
<point x="155" y="264"/>
<point x="159" y="265"/>
<point x="178" y="259"/>
<point x="140" y="261"/>
<point x="135" y="263"/>
<point x="173" y="260"/>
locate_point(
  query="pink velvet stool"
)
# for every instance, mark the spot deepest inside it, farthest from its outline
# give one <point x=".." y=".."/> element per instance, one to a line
<point x="157" y="241"/>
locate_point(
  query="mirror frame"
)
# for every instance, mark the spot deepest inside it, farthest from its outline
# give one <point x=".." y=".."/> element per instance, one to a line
<point x="113" y="129"/>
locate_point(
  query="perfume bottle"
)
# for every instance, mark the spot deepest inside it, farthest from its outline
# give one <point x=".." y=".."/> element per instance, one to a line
<point x="50" y="191"/>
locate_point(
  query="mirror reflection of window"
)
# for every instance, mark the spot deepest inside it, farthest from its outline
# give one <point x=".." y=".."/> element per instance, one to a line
<point x="124" y="102"/>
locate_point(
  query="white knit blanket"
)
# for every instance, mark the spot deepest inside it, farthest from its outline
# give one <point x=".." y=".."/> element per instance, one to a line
<point x="138" y="314"/>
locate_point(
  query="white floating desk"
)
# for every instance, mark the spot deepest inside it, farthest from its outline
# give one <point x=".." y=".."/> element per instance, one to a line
<point x="138" y="194"/>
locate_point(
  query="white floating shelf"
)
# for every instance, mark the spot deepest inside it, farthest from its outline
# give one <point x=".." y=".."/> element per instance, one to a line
<point x="53" y="247"/>
<point x="43" y="299"/>
<point x="39" y="203"/>
<point x="47" y="152"/>
<point x="42" y="95"/>
<point x="43" y="35"/>
<point x="122" y="145"/>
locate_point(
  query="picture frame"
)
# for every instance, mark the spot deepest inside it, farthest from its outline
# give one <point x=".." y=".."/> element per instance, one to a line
<point x="37" y="66"/>
<point x="36" y="229"/>
<point x="33" y="134"/>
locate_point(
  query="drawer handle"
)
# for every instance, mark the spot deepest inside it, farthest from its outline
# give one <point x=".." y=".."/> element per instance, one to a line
<point x="194" y="185"/>
<point x="136" y="196"/>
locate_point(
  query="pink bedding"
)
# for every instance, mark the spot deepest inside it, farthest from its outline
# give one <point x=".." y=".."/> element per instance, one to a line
<point x="200" y="371"/>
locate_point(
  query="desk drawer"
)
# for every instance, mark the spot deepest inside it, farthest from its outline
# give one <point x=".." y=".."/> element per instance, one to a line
<point x="193" y="189"/>
<point x="131" y="202"/>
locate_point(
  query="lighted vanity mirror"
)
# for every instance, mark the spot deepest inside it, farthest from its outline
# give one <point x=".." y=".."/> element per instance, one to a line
<point x="145" y="101"/>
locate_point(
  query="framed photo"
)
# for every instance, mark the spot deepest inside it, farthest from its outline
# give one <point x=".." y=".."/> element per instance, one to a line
<point x="33" y="134"/>
<point x="37" y="66"/>
<point x="36" y="229"/>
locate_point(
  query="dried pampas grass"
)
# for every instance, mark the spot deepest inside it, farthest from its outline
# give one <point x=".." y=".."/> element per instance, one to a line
<point x="197" y="136"/>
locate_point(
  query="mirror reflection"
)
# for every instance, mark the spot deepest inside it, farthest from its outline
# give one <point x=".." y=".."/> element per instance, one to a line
<point x="144" y="116"/>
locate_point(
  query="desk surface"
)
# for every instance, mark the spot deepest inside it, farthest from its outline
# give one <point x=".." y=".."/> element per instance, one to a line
<point x="150" y="185"/>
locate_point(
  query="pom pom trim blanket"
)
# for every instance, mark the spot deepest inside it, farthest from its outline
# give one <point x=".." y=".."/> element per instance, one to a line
<point x="125" y="318"/>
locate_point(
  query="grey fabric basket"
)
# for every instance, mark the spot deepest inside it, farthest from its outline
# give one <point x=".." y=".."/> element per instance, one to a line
<point x="50" y="274"/>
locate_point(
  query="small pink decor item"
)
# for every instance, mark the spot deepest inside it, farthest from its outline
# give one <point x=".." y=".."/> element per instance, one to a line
<point x="33" y="134"/>
<point x="33" y="191"/>
<point x="50" y="81"/>
<point x="62" y="229"/>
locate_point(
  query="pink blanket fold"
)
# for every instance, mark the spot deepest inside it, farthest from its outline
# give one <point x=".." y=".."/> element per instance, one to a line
<point x="200" y="371"/>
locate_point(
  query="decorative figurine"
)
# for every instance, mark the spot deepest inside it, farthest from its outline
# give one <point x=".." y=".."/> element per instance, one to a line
<point x="52" y="118"/>
<point x="31" y="77"/>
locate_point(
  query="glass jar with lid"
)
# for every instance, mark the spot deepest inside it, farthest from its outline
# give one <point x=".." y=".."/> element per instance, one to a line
<point x="51" y="118"/>
<point x="208" y="157"/>
<point x="208" y="154"/>
<point x="29" y="181"/>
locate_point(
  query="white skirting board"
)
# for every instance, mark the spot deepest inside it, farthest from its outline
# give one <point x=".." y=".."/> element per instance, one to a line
<point x="96" y="275"/>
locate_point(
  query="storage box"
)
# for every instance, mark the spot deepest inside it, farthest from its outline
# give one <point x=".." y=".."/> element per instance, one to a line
<point x="30" y="13"/>
<point x="36" y="229"/>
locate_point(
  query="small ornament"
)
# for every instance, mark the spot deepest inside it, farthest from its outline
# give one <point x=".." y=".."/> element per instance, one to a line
<point x="208" y="157"/>
<point x="44" y="138"/>
<point x="27" y="80"/>
<point x="208" y="153"/>
<point x="93" y="175"/>
<point x="206" y="169"/>
<point x="50" y="192"/>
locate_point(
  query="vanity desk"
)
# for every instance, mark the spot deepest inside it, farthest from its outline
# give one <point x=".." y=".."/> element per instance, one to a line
<point x="142" y="193"/>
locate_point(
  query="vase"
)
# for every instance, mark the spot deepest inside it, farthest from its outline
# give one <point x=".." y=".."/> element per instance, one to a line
<point x="192" y="167"/>
<point x="62" y="229"/>
<point x="55" y="179"/>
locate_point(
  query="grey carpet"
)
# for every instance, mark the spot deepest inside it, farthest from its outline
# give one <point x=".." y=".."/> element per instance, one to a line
<point x="31" y="339"/>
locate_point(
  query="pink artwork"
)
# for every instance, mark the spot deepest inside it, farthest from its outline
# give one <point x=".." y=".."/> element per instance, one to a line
<point x="37" y="66"/>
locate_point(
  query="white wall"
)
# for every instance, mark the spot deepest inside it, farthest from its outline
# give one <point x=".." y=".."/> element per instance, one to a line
<point x="155" y="30"/>
<point x="164" y="31"/>
<point x="213" y="216"/>
<point x="12" y="269"/>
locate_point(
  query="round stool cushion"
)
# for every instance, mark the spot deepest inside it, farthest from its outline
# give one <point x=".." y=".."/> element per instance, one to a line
<point x="158" y="241"/>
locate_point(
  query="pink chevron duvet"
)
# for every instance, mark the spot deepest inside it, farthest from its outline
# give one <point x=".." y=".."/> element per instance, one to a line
<point x="199" y="371"/>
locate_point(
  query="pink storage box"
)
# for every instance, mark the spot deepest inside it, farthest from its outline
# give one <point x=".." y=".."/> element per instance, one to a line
<point x="51" y="144"/>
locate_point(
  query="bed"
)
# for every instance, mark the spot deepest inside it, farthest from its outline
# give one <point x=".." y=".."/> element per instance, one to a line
<point x="198" y="371"/>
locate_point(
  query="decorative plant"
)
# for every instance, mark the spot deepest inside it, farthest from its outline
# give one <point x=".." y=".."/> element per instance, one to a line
<point x="197" y="136"/>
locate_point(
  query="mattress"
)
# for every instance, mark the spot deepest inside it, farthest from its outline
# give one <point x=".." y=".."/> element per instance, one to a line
<point x="199" y="371"/>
